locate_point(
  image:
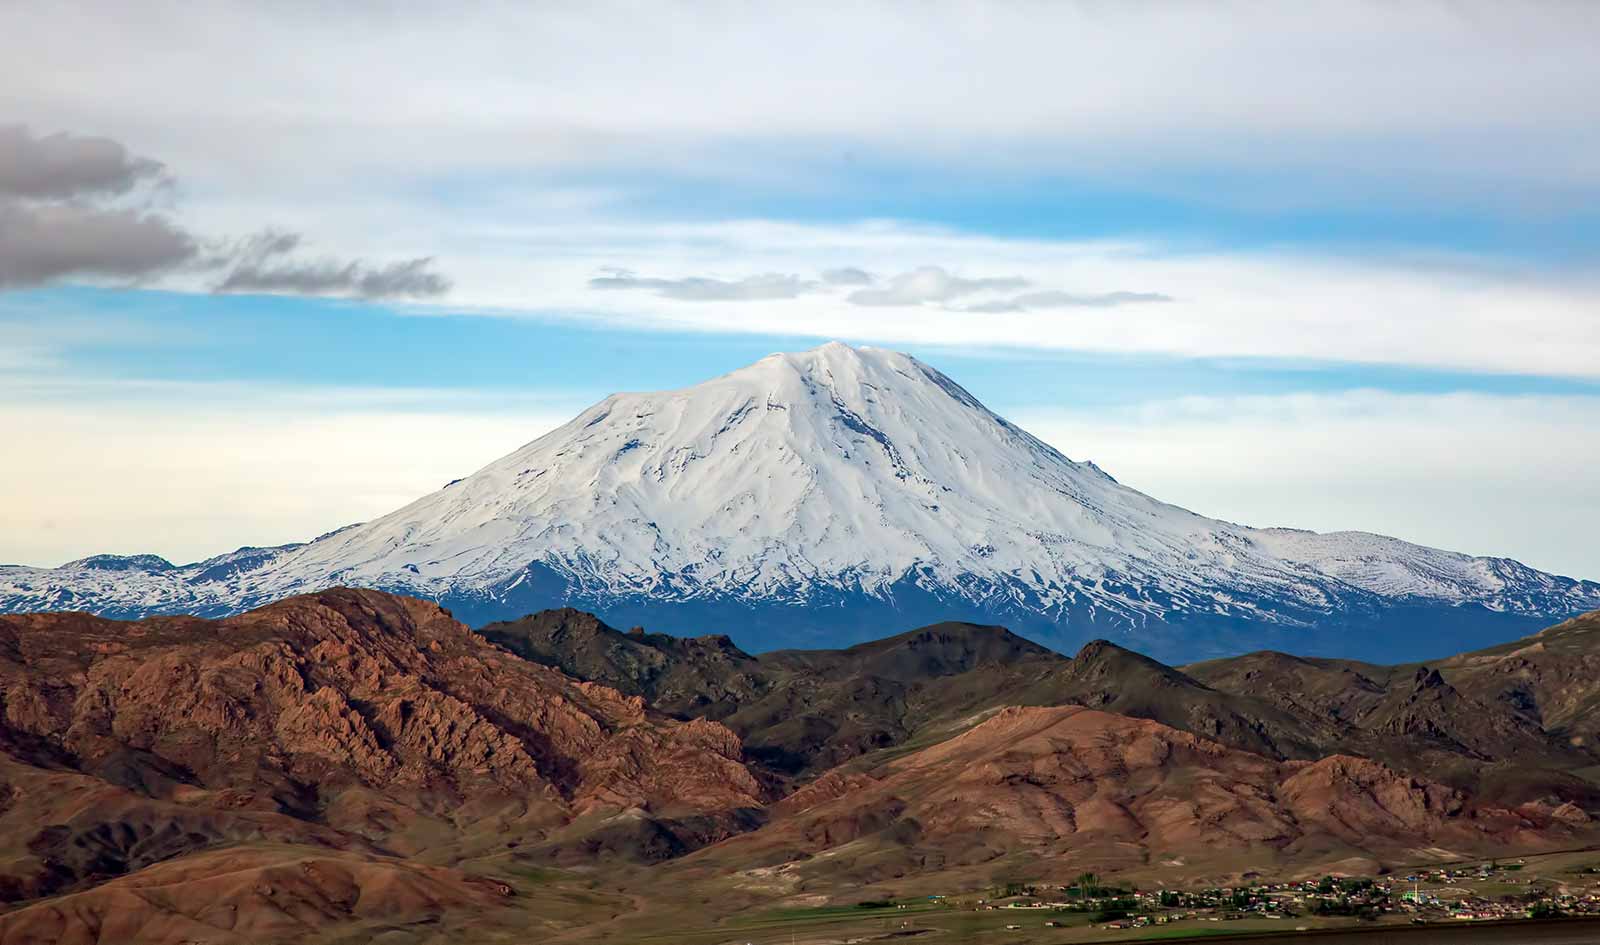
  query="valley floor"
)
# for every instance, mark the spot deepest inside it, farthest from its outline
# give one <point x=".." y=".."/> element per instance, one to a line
<point x="637" y="906"/>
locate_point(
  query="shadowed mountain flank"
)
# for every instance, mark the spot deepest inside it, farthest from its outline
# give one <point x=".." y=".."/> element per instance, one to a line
<point x="802" y="711"/>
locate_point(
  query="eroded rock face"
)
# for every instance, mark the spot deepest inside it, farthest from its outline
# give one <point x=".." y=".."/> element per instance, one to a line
<point x="385" y="691"/>
<point x="341" y="721"/>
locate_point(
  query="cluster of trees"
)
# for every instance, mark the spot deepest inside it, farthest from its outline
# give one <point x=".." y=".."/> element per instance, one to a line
<point x="1116" y="909"/>
<point x="1343" y="906"/>
<point x="1087" y="886"/>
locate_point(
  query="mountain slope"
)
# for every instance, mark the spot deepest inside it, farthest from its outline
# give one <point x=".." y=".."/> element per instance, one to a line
<point x="797" y="711"/>
<point x="1552" y="677"/>
<point x="686" y="676"/>
<point x="1535" y="700"/>
<point x="810" y="497"/>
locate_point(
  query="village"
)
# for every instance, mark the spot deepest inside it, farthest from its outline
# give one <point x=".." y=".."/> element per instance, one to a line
<point x="1484" y="892"/>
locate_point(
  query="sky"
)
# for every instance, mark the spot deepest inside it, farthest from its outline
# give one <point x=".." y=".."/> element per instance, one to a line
<point x="266" y="271"/>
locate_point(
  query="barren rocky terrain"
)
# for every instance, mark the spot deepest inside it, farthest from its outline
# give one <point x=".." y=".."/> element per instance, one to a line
<point x="353" y="765"/>
<point x="331" y="738"/>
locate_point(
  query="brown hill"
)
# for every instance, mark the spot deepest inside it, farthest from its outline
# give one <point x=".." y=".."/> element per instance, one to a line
<point x="1108" y="677"/>
<point x="797" y="711"/>
<point x="801" y="712"/>
<point x="350" y="724"/>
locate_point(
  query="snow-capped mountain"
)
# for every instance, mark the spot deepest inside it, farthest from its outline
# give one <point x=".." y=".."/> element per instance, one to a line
<point x="840" y="493"/>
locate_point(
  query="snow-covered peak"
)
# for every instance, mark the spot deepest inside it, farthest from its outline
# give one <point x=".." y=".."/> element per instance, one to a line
<point x="831" y="465"/>
<point x="833" y="472"/>
<point x="839" y="470"/>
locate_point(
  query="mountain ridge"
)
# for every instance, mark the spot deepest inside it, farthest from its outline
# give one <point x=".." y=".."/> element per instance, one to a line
<point x="802" y="711"/>
<point x="825" y="493"/>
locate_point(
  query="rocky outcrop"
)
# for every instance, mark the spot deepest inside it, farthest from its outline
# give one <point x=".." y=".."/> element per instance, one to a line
<point x="1357" y="799"/>
<point x="346" y="722"/>
<point x="351" y="687"/>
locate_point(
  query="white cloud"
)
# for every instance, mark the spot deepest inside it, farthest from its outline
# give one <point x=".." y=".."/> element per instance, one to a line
<point x="1465" y="92"/>
<point x="1448" y="313"/>
<point x="1482" y="474"/>
<point x="512" y="164"/>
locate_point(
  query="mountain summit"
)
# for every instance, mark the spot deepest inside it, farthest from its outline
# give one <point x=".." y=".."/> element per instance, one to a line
<point x="830" y="495"/>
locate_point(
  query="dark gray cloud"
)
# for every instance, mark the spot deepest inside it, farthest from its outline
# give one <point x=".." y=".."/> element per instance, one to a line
<point x="54" y="220"/>
<point x="1056" y="299"/>
<point x="259" y="265"/>
<point x="42" y="243"/>
<point x="703" y="289"/>
<point x="60" y="219"/>
<point x="847" y="276"/>
<point x="932" y="284"/>
<point x="59" y="166"/>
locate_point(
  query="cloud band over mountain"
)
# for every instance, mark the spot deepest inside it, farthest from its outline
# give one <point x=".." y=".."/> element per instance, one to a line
<point x="925" y="285"/>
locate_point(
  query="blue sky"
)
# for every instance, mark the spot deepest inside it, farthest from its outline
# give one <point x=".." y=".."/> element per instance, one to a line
<point x="1331" y="270"/>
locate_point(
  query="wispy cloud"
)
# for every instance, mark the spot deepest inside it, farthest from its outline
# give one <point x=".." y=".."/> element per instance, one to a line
<point x="932" y="284"/>
<point x="921" y="286"/>
<point x="765" y="286"/>
<point x="1055" y="299"/>
<point x="262" y="267"/>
